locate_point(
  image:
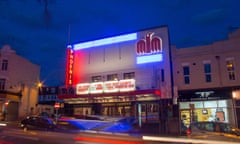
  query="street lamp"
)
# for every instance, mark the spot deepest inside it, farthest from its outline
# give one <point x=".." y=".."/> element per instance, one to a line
<point x="6" y="110"/>
<point x="39" y="84"/>
<point x="57" y="106"/>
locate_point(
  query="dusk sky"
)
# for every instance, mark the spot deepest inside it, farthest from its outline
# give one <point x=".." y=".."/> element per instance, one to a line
<point x="40" y="30"/>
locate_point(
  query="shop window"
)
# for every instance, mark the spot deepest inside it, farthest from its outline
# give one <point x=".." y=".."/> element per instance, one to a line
<point x="207" y="71"/>
<point x="186" y="74"/>
<point x="112" y="77"/>
<point x="2" y="84"/>
<point x="4" y="65"/>
<point x="53" y="90"/>
<point x="152" y="112"/>
<point x="152" y="108"/>
<point x="230" y="69"/>
<point x="96" y="78"/>
<point x="130" y="75"/>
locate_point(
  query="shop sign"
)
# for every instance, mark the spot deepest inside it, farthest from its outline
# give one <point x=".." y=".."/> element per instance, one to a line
<point x="149" y="49"/>
<point x="105" y="87"/>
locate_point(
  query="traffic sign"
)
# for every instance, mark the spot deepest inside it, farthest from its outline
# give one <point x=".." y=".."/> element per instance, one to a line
<point x="57" y="105"/>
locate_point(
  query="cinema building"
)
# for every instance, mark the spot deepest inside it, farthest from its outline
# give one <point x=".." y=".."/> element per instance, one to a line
<point x="124" y="75"/>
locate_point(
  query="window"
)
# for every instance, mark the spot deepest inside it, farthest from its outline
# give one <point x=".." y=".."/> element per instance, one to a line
<point x="112" y="77"/>
<point x="63" y="90"/>
<point x="96" y="78"/>
<point x="4" y="65"/>
<point x="53" y="90"/>
<point x="162" y="75"/>
<point x="207" y="71"/>
<point x="130" y="75"/>
<point x="2" y="84"/>
<point x="186" y="74"/>
<point x="230" y="69"/>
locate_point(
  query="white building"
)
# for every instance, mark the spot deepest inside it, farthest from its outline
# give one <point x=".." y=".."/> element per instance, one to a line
<point x="207" y="79"/>
<point x="125" y="75"/>
<point x="18" y="84"/>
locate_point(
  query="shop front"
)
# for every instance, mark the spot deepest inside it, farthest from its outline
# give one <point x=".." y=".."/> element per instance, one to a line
<point x="140" y="104"/>
<point x="9" y="104"/>
<point x="206" y="106"/>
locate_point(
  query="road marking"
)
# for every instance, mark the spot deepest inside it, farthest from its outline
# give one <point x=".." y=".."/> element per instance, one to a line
<point x="3" y="124"/>
<point x="185" y="140"/>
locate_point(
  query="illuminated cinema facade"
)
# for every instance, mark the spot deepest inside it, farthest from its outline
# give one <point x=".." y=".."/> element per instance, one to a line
<point x="125" y="75"/>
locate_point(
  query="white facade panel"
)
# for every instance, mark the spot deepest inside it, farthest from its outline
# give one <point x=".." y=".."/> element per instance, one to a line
<point x="121" y="58"/>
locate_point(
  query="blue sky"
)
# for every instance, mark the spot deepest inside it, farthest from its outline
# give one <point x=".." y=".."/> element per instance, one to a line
<point x="39" y="29"/>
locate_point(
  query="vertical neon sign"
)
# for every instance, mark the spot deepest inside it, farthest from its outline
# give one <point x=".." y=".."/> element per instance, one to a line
<point x="69" y="66"/>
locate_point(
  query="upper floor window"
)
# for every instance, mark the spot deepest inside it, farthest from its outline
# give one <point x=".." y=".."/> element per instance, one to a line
<point x="96" y="78"/>
<point x="186" y="74"/>
<point x="4" y="65"/>
<point x="112" y="77"/>
<point x="230" y="69"/>
<point x="130" y="75"/>
<point x="2" y="84"/>
<point x="207" y="71"/>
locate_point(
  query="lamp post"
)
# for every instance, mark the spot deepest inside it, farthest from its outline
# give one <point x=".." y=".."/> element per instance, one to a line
<point x="235" y="96"/>
<point x="57" y="106"/>
<point x="6" y="110"/>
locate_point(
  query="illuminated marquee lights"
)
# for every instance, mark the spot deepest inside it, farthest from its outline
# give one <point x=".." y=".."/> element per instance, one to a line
<point x="96" y="87"/>
<point x="106" y="87"/>
<point x="149" y="58"/>
<point x="105" y="41"/>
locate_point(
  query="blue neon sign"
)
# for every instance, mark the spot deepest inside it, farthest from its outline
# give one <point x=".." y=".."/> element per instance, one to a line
<point x="150" y="58"/>
<point x="105" y="41"/>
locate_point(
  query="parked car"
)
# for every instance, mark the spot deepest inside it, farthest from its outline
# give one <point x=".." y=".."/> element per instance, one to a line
<point x="213" y="131"/>
<point x="44" y="114"/>
<point x="37" y="122"/>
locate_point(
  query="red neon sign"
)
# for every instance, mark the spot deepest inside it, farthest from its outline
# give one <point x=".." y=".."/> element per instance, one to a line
<point x="150" y="45"/>
<point x="69" y="66"/>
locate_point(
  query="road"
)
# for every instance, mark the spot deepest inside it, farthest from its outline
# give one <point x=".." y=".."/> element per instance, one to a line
<point x="15" y="135"/>
<point x="10" y="135"/>
<point x="18" y="136"/>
